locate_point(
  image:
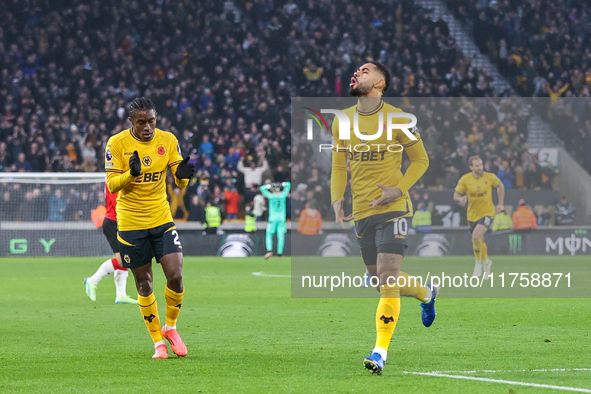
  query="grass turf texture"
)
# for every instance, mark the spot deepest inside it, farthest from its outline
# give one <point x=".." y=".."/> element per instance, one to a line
<point x="245" y="334"/>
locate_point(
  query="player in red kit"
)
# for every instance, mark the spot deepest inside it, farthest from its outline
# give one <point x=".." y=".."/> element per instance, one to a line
<point x="111" y="266"/>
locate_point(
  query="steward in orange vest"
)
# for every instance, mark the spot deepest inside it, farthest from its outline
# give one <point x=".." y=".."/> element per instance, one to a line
<point x="524" y="218"/>
<point x="98" y="215"/>
<point x="310" y="222"/>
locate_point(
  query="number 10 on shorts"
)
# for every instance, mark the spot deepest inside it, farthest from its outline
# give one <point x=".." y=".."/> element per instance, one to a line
<point x="400" y="226"/>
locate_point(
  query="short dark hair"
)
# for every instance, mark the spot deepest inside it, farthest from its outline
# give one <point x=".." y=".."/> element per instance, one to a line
<point x="139" y="104"/>
<point x="385" y="73"/>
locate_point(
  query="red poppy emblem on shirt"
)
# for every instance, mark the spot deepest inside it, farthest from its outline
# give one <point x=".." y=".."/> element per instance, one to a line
<point x="486" y="182"/>
<point x="161" y="150"/>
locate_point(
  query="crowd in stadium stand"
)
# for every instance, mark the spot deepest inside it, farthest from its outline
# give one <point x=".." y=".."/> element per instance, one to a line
<point x="38" y="203"/>
<point x="222" y="75"/>
<point x="544" y="49"/>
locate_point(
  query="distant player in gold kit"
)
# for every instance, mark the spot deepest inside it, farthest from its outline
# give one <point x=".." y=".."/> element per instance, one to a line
<point x="381" y="205"/>
<point x="136" y="162"/>
<point x="477" y="189"/>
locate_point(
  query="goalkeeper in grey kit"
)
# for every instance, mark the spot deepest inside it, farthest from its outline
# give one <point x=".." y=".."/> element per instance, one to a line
<point x="277" y="194"/>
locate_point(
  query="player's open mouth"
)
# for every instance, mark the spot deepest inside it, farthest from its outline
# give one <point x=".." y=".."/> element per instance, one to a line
<point x="353" y="81"/>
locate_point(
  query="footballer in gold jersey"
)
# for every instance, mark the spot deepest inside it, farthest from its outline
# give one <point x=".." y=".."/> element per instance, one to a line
<point x="136" y="162"/>
<point x="381" y="204"/>
<point x="375" y="163"/>
<point x="475" y="189"/>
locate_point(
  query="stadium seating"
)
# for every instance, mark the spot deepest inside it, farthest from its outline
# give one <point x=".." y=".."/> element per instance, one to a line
<point x="222" y="75"/>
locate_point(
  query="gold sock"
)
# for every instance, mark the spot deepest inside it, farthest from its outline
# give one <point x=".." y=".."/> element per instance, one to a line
<point x="477" y="247"/>
<point x="387" y="315"/>
<point x="484" y="251"/>
<point x="149" y="310"/>
<point x="412" y="287"/>
<point x="173" y="305"/>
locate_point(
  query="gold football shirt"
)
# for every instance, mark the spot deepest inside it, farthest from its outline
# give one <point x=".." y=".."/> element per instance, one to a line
<point x="374" y="163"/>
<point x="141" y="203"/>
<point x="479" y="192"/>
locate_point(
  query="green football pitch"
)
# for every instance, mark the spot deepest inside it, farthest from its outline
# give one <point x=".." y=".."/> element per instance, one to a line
<point x="245" y="334"/>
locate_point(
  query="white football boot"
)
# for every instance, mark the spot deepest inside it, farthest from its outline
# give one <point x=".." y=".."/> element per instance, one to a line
<point x="487" y="264"/>
<point x="477" y="268"/>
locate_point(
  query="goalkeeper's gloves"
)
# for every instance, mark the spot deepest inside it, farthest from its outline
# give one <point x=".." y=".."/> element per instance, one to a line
<point x="135" y="166"/>
<point x="185" y="170"/>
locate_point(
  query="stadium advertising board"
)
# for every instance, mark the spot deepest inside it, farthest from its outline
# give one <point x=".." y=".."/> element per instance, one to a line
<point x="332" y="243"/>
<point x="60" y="243"/>
<point x="453" y="242"/>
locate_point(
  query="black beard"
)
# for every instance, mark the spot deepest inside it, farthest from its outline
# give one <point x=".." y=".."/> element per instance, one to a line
<point x="359" y="90"/>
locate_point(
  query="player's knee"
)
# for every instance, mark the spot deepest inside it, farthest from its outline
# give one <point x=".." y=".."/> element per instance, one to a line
<point x="174" y="281"/>
<point x="144" y="287"/>
<point x="477" y="235"/>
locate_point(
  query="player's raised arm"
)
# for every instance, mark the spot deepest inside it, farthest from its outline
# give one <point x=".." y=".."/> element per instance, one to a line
<point x="181" y="168"/>
<point x="265" y="190"/>
<point x="286" y="189"/>
<point x="119" y="173"/>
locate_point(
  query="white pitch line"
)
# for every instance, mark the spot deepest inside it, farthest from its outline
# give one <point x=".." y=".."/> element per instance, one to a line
<point x="516" y="370"/>
<point x="270" y="275"/>
<point x="544" y="386"/>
